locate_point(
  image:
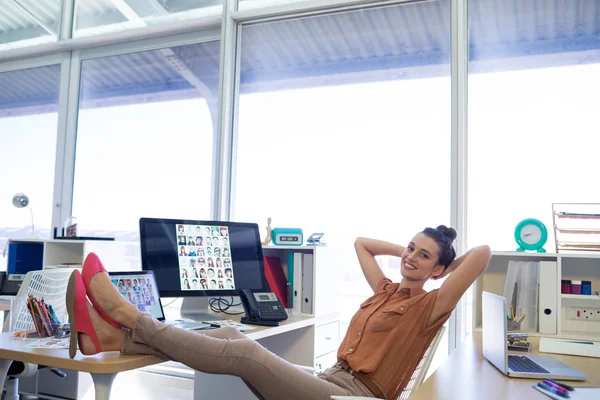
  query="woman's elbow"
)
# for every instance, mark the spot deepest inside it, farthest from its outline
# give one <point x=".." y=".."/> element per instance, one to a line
<point x="486" y="252"/>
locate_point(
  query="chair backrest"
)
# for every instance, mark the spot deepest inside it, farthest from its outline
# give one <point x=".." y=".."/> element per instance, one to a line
<point x="419" y="373"/>
<point x="49" y="285"/>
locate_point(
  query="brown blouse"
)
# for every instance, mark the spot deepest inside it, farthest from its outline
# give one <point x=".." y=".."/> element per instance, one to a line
<point x="388" y="335"/>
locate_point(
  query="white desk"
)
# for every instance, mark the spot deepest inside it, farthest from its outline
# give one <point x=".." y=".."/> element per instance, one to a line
<point x="466" y="375"/>
<point x="293" y="340"/>
<point x="103" y="367"/>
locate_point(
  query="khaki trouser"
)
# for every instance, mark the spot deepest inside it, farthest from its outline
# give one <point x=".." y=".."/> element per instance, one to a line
<point x="227" y="351"/>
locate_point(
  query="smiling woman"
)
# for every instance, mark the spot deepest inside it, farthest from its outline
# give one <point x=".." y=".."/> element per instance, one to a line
<point x="391" y="331"/>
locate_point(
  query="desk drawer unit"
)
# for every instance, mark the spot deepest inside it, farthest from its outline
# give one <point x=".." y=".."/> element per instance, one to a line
<point x="325" y="361"/>
<point x="327" y="338"/>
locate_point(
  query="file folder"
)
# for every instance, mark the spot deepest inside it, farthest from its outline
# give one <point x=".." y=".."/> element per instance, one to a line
<point x="548" y="297"/>
<point x="296" y="259"/>
<point x="307" y="285"/>
<point x="276" y="278"/>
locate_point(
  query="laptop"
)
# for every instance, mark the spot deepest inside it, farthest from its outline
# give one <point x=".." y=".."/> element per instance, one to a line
<point x="495" y="348"/>
<point x="141" y="290"/>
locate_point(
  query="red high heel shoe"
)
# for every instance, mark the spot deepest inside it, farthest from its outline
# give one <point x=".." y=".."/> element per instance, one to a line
<point x="91" y="266"/>
<point x="79" y="316"/>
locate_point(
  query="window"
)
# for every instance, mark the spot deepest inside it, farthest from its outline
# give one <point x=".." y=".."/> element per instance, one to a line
<point x="145" y="139"/>
<point x="100" y="16"/>
<point x="247" y="4"/>
<point x="344" y="128"/>
<point x="533" y="125"/>
<point x="28" y="23"/>
<point x="28" y="125"/>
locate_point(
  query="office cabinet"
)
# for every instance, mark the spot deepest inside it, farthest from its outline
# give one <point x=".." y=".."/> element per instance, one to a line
<point x="574" y="315"/>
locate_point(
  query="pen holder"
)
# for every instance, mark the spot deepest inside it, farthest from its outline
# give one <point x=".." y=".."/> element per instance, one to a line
<point x="513" y="326"/>
<point x="47" y="285"/>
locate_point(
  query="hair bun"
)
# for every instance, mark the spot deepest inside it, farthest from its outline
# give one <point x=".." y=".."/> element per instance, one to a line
<point x="447" y="231"/>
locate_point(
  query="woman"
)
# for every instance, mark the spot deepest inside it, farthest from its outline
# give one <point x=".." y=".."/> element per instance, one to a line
<point x="385" y="340"/>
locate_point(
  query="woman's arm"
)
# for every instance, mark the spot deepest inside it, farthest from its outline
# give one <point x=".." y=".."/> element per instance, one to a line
<point x="366" y="250"/>
<point x="463" y="272"/>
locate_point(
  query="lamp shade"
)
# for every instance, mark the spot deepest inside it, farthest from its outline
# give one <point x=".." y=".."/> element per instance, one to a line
<point x="20" y="200"/>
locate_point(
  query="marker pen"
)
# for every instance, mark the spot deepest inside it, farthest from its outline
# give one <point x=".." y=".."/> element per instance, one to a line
<point x="563" y="385"/>
<point x="553" y="391"/>
<point x="554" y="385"/>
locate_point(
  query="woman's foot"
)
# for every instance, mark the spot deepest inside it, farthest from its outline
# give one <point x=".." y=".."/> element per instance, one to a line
<point x="110" y="300"/>
<point x="110" y="338"/>
<point x="91" y="266"/>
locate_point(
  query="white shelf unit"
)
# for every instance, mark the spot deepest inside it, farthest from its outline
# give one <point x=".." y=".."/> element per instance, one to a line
<point x="575" y="266"/>
<point x="72" y="253"/>
<point x="326" y="278"/>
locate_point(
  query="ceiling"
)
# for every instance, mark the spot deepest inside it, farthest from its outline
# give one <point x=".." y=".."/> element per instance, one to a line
<point x="393" y="42"/>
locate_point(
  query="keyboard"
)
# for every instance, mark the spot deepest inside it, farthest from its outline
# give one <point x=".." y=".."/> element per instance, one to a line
<point x="524" y="364"/>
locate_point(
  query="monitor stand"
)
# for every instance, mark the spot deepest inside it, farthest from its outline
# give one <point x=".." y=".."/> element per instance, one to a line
<point x="196" y="308"/>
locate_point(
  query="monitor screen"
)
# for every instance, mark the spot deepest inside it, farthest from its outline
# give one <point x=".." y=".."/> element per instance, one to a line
<point x="140" y="289"/>
<point x="24" y="257"/>
<point x="202" y="258"/>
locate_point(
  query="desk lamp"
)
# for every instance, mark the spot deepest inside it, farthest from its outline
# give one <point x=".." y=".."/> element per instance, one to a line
<point x="20" y="200"/>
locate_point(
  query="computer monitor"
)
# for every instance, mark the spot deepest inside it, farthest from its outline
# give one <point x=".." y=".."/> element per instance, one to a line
<point x="200" y="259"/>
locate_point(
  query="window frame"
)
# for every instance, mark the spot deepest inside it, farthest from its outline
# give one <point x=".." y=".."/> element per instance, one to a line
<point x="64" y="61"/>
<point x="78" y="57"/>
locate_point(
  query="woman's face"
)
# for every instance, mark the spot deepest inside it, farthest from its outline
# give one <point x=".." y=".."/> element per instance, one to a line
<point x="419" y="261"/>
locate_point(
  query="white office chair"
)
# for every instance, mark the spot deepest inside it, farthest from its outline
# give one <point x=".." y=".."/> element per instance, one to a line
<point x="51" y="285"/>
<point x="418" y="375"/>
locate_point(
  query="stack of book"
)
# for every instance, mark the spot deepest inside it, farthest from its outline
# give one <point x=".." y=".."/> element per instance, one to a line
<point x="518" y="342"/>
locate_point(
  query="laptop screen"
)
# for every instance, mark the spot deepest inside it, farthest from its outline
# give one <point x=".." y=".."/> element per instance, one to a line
<point x="140" y="289"/>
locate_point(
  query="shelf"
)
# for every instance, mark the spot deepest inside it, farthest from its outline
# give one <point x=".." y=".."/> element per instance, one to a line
<point x="579" y="296"/>
<point x="580" y="300"/>
<point x="587" y="255"/>
<point x="523" y="254"/>
<point x="290" y="247"/>
<point x="565" y="334"/>
<point x="583" y="231"/>
<point x="577" y="216"/>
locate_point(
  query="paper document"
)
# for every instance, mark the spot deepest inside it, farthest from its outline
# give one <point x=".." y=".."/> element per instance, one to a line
<point x="580" y="393"/>
<point x="47" y="343"/>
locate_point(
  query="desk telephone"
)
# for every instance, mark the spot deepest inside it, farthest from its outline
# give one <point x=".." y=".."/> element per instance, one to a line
<point x="10" y="287"/>
<point x="262" y="308"/>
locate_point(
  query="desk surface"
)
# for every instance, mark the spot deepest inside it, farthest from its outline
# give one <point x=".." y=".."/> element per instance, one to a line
<point x="467" y="375"/>
<point x="172" y="312"/>
<point x="112" y="362"/>
<point x="105" y="363"/>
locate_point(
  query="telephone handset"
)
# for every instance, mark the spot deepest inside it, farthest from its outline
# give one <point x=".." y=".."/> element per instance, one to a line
<point x="262" y="308"/>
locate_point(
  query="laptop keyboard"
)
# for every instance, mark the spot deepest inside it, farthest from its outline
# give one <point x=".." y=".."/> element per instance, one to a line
<point x="524" y="364"/>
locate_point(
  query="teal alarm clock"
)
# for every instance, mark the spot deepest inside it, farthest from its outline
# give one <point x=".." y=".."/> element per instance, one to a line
<point x="287" y="236"/>
<point x="531" y="234"/>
